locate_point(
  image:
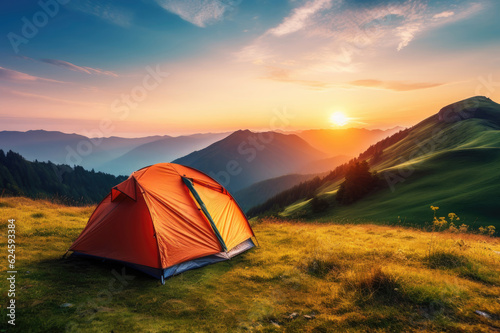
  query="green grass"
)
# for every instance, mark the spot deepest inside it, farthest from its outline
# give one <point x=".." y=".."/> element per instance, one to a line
<point x="471" y="194"/>
<point x="348" y="278"/>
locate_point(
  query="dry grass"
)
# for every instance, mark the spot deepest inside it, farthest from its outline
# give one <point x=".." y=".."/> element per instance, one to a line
<point x="348" y="278"/>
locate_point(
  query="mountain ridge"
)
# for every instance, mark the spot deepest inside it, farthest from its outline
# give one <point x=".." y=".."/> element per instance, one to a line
<point x="245" y="157"/>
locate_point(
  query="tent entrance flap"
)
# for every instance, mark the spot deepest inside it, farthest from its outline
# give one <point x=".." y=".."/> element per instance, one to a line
<point x="196" y="196"/>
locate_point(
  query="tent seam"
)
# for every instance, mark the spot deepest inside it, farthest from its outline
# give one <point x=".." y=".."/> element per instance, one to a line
<point x="160" y="257"/>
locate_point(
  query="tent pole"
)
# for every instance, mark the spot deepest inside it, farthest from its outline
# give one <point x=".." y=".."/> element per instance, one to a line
<point x="196" y="196"/>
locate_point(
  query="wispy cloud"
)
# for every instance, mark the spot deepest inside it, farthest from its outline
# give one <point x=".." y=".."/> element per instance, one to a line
<point x="407" y="33"/>
<point x="394" y="85"/>
<point x="332" y="36"/>
<point x="444" y="14"/>
<point x="12" y="75"/>
<point x="76" y="68"/>
<point x="300" y="17"/>
<point x="285" y="75"/>
<point x="105" y="11"/>
<point x="199" y="12"/>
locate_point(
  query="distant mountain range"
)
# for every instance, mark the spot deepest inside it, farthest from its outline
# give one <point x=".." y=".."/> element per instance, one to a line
<point x="165" y="149"/>
<point x="241" y="159"/>
<point x="62" y="148"/>
<point x="244" y="157"/>
<point x="450" y="160"/>
<point x="114" y="155"/>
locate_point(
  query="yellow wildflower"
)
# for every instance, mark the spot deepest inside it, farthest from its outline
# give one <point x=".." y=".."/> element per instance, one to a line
<point x="463" y="228"/>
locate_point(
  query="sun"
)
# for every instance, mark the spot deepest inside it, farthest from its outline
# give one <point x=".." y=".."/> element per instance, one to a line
<point x="339" y="119"/>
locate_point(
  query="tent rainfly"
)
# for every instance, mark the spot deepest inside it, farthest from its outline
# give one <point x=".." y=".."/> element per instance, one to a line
<point x="166" y="219"/>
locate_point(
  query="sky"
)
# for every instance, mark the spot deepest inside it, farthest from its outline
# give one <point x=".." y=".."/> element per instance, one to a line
<point x="149" y="67"/>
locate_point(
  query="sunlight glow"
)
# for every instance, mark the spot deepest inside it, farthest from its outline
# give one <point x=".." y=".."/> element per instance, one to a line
<point x="339" y="119"/>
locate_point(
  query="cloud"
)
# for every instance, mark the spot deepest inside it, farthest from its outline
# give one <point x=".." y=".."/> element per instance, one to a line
<point x="444" y="15"/>
<point x="12" y="75"/>
<point x="406" y="34"/>
<point x="339" y="36"/>
<point x="284" y="75"/>
<point x="393" y="85"/>
<point x="104" y="11"/>
<point x="300" y="17"/>
<point x="81" y="69"/>
<point x="199" y="12"/>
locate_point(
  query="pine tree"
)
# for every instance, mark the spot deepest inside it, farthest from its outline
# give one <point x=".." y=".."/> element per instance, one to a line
<point x="359" y="181"/>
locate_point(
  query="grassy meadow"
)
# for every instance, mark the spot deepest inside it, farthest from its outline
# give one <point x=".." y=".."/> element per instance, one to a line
<point x="304" y="277"/>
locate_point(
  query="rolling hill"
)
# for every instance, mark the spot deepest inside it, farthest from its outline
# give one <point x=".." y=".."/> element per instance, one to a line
<point x="450" y="160"/>
<point x="244" y="158"/>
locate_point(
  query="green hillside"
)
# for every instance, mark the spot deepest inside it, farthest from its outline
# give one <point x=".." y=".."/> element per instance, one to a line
<point x="450" y="160"/>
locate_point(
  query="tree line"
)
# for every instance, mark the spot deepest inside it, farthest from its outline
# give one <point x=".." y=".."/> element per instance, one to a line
<point x="46" y="180"/>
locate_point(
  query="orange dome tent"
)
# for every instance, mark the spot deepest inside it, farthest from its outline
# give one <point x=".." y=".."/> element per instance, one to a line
<point x="166" y="219"/>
